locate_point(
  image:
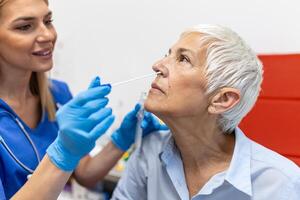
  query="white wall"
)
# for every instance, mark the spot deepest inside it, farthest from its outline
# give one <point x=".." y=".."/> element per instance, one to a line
<point x="121" y="39"/>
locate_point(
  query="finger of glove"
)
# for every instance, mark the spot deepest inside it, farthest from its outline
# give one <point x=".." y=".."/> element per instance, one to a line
<point x="152" y="123"/>
<point x="100" y="115"/>
<point x="144" y="124"/>
<point x="95" y="82"/>
<point x="102" y="127"/>
<point x="90" y="94"/>
<point x="157" y="125"/>
<point x="147" y="116"/>
<point x="147" y="120"/>
<point x="132" y="114"/>
<point x="130" y="119"/>
<point x="137" y="107"/>
<point x="163" y="127"/>
<point x="87" y="124"/>
<point x="92" y="107"/>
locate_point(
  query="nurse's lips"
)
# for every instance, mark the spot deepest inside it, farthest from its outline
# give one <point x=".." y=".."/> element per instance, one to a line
<point x="44" y="53"/>
<point x="154" y="86"/>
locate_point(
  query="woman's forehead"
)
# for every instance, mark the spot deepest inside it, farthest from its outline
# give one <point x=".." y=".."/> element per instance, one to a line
<point x="191" y="41"/>
<point x="24" y="8"/>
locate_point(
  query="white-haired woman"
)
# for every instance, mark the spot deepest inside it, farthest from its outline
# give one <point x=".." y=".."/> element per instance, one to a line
<point x="209" y="81"/>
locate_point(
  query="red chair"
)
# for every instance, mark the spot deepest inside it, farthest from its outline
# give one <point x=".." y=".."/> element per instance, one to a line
<point x="275" y="119"/>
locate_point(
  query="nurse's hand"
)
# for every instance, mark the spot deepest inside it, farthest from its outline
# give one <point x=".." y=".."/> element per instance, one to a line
<point x="81" y="122"/>
<point x="124" y="136"/>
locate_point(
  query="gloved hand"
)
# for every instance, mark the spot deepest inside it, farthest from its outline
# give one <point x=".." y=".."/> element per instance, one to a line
<point x="81" y="122"/>
<point x="124" y="136"/>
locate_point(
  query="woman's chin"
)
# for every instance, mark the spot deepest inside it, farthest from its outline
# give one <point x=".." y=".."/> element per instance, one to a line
<point x="155" y="107"/>
<point x="152" y="106"/>
<point x="43" y="68"/>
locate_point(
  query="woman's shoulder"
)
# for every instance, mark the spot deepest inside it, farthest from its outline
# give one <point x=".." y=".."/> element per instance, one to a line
<point x="60" y="91"/>
<point x="264" y="160"/>
<point x="272" y="161"/>
<point x="58" y="86"/>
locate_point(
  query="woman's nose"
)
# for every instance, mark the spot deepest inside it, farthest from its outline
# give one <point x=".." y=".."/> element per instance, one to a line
<point x="160" y="66"/>
<point x="46" y="34"/>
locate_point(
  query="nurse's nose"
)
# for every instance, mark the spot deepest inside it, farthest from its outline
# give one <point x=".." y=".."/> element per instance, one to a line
<point x="46" y="34"/>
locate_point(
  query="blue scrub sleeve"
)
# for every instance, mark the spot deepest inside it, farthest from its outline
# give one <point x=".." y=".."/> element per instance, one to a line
<point x="60" y="91"/>
<point x="2" y="194"/>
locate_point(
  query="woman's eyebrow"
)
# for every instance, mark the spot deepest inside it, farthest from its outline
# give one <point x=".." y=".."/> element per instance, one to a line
<point x="48" y="14"/>
<point x="182" y="50"/>
<point x="25" y="18"/>
<point x="30" y="18"/>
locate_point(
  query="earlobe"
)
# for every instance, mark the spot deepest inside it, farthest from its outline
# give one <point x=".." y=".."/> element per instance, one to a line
<point x="212" y="109"/>
<point x="224" y="100"/>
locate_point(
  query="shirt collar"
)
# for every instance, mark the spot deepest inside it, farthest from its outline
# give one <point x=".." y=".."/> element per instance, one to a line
<point x="168" y="149"/>
<point x="239" y="172"/>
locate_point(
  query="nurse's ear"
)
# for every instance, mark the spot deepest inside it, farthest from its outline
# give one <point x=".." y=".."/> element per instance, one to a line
<point x="224" y="100"/>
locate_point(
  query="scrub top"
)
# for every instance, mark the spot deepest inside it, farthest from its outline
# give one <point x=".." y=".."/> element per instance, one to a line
<point x="12" y="175"/>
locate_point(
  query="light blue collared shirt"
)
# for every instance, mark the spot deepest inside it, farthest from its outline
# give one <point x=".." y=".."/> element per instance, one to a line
<point x="255" y="173"/>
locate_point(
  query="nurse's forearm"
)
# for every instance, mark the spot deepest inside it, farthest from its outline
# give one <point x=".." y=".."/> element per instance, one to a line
<point x="46" y="182"/>
<point x="91" y="170"/>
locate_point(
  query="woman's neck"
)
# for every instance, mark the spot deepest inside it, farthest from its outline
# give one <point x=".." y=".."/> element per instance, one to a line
<point x="15" y="91"/>
<point x="205" y="150"/>
<point x="200" y="141"/>
<point x="15" y="85"/>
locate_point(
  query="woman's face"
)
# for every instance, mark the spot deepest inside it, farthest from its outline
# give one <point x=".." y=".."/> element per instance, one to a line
<point x="180" y="90"/>
<point x="27" y="36"/>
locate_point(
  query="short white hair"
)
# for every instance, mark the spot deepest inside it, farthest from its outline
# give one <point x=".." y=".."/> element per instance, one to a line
<point x="230" y="62"/>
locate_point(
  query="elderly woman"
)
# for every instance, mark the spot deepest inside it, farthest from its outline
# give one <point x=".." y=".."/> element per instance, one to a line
<point x="209" y="81"/>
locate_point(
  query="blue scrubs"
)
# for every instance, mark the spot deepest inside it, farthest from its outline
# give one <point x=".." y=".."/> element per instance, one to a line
<point x="12" y="175"/>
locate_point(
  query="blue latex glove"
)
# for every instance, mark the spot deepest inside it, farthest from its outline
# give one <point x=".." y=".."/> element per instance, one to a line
<point x="124" y="136"/>
<point x="81" y="122"/>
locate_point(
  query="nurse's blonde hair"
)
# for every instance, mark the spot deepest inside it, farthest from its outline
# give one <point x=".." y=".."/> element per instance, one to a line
<point x="40" y="86"/>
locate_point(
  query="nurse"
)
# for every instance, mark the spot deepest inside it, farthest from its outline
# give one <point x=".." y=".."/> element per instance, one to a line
<point x="34" y="142"/>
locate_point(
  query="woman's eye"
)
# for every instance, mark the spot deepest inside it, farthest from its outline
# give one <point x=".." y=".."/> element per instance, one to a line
<point x="49" y="22"/>
<point x="183" y="58"/>
<point x="24" y="27"/>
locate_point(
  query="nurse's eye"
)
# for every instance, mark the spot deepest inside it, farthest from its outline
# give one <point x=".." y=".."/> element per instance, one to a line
<point x="24" y="27"/>
<point x="184" y="58"/>
<point x="48" y="22"/>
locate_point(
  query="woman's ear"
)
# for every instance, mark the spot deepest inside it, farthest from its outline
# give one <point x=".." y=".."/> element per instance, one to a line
<point x="224" y="100"/>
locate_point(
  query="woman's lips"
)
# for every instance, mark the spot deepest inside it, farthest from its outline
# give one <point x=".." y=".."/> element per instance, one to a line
<point x="45" y="53"/>
<point x="156" y="88"/>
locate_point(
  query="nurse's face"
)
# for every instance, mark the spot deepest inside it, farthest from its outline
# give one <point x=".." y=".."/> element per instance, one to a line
<point x="27" y="36"/>
<point x="180" y="90"/>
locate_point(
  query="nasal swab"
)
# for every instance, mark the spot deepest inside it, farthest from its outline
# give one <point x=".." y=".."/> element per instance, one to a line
<point x="134" y="79"/>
